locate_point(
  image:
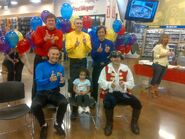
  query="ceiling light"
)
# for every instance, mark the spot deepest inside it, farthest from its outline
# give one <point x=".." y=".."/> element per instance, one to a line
<point x="35" y="1"/>
<point x="14" y="2"/>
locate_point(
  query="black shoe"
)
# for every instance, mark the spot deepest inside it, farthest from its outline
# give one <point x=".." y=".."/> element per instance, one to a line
<point x="59" y="130"/>
<point x="135" y="128"/>
<point x="108" y="130"/>
<point x="43" y="132"/>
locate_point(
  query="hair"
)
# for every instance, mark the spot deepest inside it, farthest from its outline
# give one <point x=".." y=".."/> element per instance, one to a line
<point x="162" y="37"/>
<point x="101" y="27"/>
<point x="53" y="47"/>
<point x="50" y="15"/>
<point x="84" y="70"/>
<point x="77" y="19"/>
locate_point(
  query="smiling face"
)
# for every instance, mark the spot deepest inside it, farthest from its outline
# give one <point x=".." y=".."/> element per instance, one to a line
<point x="82" y="75"/>
<point x="53" y="55"/>
<point x="50" y="23"/>
<point x="78" y="25"/>
<point x="101" y="34"/>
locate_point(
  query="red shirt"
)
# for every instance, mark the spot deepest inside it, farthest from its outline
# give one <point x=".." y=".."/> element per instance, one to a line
<point x="41" y="46"/>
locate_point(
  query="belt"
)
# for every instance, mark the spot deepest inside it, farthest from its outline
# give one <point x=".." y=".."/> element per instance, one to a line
<point x="77" y="59"/>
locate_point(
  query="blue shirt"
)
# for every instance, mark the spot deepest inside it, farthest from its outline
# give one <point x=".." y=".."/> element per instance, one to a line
<point x="43" y="73"/>
<point x="99" y="57"/>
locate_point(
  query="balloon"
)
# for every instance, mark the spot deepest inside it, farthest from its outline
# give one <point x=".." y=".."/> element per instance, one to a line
<point x="119" y="40"/>
<point x="65" y="25"/>
<point x="87" y="22"/>
<point x="93" y="35"/>
<point x="66" y="11"/>
<point x="58" y="23"/>
<point x="4" y="46"/>
<point x="28" y="37"/>
<point x="122" y="31"/>
<point x="44" y="14"/>
<point x="23" y="46"/>
<point x="133" y="39"/>
<point x="111" y="35"/>
<point x="116" y="25"/>
<point x="127" y="38"/>
<point x="35" y="22"/>
<point x="125" y="49"/>
<point x="72" y="21"/>
<point x="12" y="39"/>
<point x="19" y="34"/>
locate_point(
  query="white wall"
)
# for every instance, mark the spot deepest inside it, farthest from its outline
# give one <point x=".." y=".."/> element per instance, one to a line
<point x="82" y="7"/>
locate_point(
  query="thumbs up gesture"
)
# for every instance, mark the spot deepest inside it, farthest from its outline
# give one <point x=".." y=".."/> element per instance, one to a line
<point x="53" y="77"/>
<point x="77" y="42"/>
<point x="107" y="49"/>
<point x="61" y="77"/>
<point x="47" y="36"/>
<point x="99" y="49"/>
<point x="84" y="40"/>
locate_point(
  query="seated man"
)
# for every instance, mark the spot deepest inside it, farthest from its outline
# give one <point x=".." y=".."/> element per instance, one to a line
<point x="117" y="80"/>
<point x="49" y="79"/>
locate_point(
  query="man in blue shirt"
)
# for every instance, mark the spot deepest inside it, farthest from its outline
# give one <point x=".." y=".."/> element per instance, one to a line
<point x="101" y="49"/>
<point x="49" y="77"/>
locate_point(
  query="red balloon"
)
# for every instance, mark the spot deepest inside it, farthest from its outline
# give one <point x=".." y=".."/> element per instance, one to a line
<point x="87" y="22"/>
<point x="124" y="49"/>
<point x="127" y="49"/>
<point x="122" y="31"/>
<point x="23" y="46"/>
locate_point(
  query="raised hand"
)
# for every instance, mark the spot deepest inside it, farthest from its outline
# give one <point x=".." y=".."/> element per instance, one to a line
<point x="84" y="40"/>
<point x="107" y="49"/>
<point x="52" y="39"/>
<point x="100" y="48"/>
<point x="61" y="77"/>
<point x="53" y="77"/>
<point x="47" y="36"/>
<point x="77" y="42"/>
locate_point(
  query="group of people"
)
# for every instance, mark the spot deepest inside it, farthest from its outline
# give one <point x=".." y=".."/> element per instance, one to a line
<point x="108" y="73"/>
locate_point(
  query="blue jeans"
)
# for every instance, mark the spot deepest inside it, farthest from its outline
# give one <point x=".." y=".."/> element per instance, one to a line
<point x="158" y="73"/>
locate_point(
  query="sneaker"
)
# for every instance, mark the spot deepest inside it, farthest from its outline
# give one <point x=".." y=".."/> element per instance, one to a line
<point x="80" y="109"/>
<point x="87" y="109"/>
<point x="43" y="132"/>
<point x="59" y="130"/>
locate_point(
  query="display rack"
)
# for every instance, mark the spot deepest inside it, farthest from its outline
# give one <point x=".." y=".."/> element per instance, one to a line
<point x="151" y="37"/>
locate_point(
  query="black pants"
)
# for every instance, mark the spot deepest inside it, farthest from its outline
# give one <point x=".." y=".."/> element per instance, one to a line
<point x="112" y="99"/>
<point x="37" y="60"/>
<point x="95" y="76"/>
<point x="83" y="100"/>
<point x="158" y="73"/>
<point x="14" y="70"/>
<point x="45" y="97"/>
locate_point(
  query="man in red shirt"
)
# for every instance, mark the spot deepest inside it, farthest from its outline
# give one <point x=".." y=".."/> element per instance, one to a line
<point x="45" y="37"/>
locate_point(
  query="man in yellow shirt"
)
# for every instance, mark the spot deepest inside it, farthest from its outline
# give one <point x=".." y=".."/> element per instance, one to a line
<point x="78" y="46"/>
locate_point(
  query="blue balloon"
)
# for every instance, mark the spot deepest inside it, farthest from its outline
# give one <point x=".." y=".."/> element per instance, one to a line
<point x="58" y="24"/>
<point x="117" y="25"/>
<point x="11" y="39"/>
<point x="35" y="22"/>
<point x="66" y="11"/>
<point x="119" y="40"/>
<point x="93" y="34"/>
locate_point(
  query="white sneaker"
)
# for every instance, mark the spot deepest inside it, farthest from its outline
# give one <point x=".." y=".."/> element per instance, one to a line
<point x="87" y="109"/>
<point x="80" y="109"/>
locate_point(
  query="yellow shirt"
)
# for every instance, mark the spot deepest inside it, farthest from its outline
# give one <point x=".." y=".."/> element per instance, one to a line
<point x="158" y="51"/>
<point x="80" y="51"/>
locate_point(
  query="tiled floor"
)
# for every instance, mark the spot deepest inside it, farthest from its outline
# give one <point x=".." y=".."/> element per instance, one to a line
<point x="161" y="118"/>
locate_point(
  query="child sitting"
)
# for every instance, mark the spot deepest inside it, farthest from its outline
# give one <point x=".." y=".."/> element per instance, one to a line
<point x="81" y="86"/>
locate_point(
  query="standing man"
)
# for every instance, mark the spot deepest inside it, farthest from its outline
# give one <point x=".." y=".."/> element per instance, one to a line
<point x="48" y="83"/>
<point x="78" y="46"/>
<point x="117" y="80"/>
<point x="45" y="37"/>
<point x="101" y="49"/>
